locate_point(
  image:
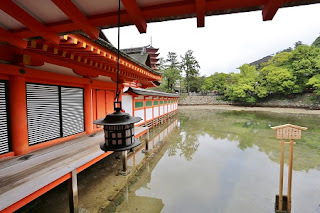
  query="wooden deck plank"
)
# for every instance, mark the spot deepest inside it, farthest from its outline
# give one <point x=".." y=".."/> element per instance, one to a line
<point x="20" y="178"/>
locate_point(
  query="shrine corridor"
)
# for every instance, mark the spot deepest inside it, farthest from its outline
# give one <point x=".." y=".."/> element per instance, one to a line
<point x="212" y="161"/>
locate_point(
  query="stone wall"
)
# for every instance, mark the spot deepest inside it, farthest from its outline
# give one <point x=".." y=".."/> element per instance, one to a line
<point x="202" y="100"/>
<point x="285" y="103"/>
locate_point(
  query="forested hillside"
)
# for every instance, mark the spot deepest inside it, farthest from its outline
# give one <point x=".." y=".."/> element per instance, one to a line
<point x="286" y="73"/>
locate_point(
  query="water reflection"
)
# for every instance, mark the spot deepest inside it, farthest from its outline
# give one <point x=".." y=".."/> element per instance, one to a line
<point x="226" y="161"/>
<point x="248" y="130"/>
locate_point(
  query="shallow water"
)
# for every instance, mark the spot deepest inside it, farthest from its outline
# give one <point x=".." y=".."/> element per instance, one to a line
<point x="227" y="161"/>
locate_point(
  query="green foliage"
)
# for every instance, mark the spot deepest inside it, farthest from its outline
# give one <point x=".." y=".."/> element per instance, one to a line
<point x="190" y="66"/>
<point x="290" y="71"/>
<point x="315" y="82"/>
<point x="171" y="72"/>
<point x="242" y="86"/>
<point x="216" y="81"/>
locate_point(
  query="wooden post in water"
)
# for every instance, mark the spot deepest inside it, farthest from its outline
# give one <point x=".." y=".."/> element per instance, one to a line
<point x="73" y="192"/>
<point x="290" y="174"/>
<point x="281" y="175"/>
<point x="291" y="132"/>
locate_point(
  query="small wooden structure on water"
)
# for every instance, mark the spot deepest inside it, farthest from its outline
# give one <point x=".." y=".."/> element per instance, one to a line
<point x="284" y="132"/>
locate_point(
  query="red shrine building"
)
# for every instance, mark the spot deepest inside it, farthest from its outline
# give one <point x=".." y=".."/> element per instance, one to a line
<point x="58" y="74"/>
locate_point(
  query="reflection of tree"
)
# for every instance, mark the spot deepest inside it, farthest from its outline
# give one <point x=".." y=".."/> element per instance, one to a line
<point x="251" y="129"/>
<point x="186" y="140"/>
<point x="188" y="146"/>
<point x="173" y="148"/>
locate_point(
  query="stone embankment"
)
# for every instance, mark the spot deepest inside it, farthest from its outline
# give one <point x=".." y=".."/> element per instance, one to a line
<point x="299" y="102"/>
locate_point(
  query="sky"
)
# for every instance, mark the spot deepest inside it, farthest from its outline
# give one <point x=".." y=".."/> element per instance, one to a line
<point x="227" y="41"/>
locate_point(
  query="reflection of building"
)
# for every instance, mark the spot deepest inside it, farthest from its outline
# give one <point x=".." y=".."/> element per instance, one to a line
<point x="156" y="136"/>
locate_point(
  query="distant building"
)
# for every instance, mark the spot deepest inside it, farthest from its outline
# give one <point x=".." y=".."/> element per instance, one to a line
<point x="146" y="55"/>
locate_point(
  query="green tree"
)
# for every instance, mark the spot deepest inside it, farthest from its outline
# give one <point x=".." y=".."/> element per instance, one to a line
<point x="315" y="82"/>
<point x="241" y="87"/>
<point x="279" y="80"/>
<point x="217" y="81"/>
<point x="305" y="64"/>
<point x="171" y="72"/>
<point x="196" y="84"/>
<point x="190" y="66"/>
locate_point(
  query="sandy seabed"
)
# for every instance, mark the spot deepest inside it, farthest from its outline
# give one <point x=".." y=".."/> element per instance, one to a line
<point x="254" y="109"/>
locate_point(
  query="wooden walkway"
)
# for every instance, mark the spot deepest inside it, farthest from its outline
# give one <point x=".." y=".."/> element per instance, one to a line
<point x="23" y="175"/>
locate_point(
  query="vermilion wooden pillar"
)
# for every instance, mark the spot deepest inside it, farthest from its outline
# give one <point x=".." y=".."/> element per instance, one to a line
<point x="18" y="115"/>
<point x="88" y="121"/>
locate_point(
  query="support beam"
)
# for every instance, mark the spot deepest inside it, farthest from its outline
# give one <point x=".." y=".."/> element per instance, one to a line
<point x="73" y="192"/>
<point x="270" y="9"/>
<point x="135" y="14"/>
<point x="77" y="17"/>
<point x="12" y="39"/>
<point x="201" y="12"/>
<point x="23" y="17"/>
<point x="18" y="114"/>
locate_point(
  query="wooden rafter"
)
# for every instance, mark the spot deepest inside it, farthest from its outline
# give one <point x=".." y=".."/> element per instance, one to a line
<point x="77" y="17"/>
<point x="135" y="14"/>
<point x="150" y="13"/>
<point x="26" y="19"/>
<point x="12" y="39"/>
<point x="270" y="9"/>
<point x="201" y="12"/>
<point x="93" y="60"/>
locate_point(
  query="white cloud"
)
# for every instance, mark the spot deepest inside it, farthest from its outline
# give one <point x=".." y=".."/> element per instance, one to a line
<point x="227" y="41"/>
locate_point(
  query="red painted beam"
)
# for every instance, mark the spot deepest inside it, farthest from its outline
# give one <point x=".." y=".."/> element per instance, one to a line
<point x="135" y="14"/>
<point x="23" y="17"/>
<point x="12" y="39"/>
<point x="270" y="9"/>
<point x="201" y="12"/>
<point x="149" y="13"/>
<point x="77" y="17"/>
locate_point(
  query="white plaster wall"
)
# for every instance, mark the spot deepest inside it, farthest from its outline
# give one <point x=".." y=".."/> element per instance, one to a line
<point x="156" y="111"/>
<point x="149" y="114"/>
<point x="127" y="103"/>
<point x="139" y="113"/>
<point x="161" y="110"/>
<point x="165" y="108"/>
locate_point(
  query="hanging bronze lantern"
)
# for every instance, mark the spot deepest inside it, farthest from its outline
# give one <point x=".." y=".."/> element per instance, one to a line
<point x="118" y="130"/>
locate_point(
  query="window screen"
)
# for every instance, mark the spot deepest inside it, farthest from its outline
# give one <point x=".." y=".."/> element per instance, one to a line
<point x="4" y="136"/>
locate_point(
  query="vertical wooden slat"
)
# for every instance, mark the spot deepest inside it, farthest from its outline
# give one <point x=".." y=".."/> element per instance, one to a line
<point x="4" y="139"/>
<point x="43" y="113"/>
<point x="72" y="110"/>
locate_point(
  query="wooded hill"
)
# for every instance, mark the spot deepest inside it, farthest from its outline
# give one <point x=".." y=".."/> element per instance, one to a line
<point x="289" y="72"/>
